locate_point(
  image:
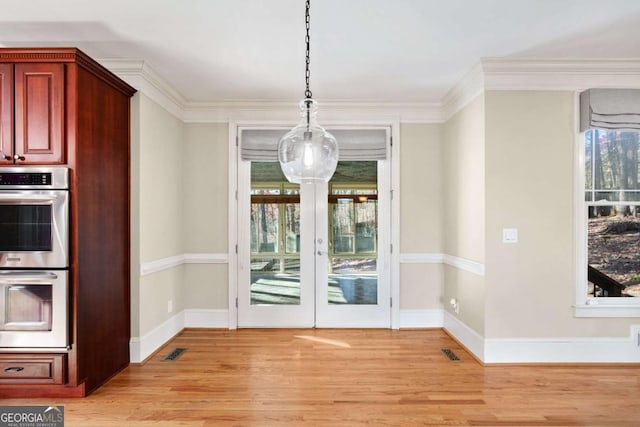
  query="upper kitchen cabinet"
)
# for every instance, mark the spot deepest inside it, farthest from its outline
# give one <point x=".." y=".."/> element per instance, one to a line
<point x="6" y="112"/>
<point x="33" y="113"/>
<point x="39" y="114"/>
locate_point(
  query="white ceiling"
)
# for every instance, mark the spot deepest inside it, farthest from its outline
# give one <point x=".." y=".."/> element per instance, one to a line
<point x="361" y="50"/>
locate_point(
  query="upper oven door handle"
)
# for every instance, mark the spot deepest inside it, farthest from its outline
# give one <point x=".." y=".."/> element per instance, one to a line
<point x="22" y="198"/>
<point x="30" y="277"/>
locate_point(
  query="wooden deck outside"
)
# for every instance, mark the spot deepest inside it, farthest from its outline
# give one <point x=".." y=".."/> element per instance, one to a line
<point x="316" y="377"/>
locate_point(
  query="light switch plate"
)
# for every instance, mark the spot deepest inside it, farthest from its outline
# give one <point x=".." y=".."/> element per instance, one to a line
<point x="509" y="235"/>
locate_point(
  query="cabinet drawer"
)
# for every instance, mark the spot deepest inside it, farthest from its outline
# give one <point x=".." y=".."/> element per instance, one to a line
<point x="32" y="368"/>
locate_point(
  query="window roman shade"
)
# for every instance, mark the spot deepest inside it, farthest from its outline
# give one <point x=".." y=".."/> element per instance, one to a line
<point x="610" y="109"/>
<point x="353" y="144"/>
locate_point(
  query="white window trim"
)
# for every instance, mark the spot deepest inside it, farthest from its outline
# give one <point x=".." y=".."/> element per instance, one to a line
<point x="584" y="305"/>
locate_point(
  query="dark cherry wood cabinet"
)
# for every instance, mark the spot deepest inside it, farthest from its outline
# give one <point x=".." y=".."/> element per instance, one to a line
<point x="39" y="114"/>
<point x="60" y="107"/>
<point x="6" y="113"/>
<point x="32" y="368"/>
<point x="32" y="113"/>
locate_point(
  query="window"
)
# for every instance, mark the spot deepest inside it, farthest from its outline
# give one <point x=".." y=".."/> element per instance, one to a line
<point x="610" y="219"/>
<point x="608" y="203"/>
<point x="353" y="222"/>
<point x="275" y="224"/>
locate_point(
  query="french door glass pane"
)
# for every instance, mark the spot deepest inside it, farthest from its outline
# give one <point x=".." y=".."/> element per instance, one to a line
<point x="275" y="237"/>
<point x="353" y="220"/>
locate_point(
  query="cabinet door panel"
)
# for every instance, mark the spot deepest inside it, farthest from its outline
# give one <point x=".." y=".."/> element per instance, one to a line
<point x="6" y="113"/>
<point x="39" y="113"/>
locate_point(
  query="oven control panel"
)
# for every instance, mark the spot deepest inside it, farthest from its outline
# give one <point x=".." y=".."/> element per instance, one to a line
<point x="25" y="178"/>
<point x="37" y="177"/>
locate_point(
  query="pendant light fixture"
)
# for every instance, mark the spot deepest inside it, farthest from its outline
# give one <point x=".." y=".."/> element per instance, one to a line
<point x="308" y="153"/>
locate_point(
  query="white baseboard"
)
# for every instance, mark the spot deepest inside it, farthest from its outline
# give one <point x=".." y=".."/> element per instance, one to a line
<point x="562" y="350"/>
<point x="546" y="350"/>
<point x="472" y="340"/>
<point x="421" y="318"/>
<point x="143" y="347"/>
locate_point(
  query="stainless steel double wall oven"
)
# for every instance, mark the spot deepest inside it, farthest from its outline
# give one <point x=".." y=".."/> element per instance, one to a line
<point x="34" y="258"/>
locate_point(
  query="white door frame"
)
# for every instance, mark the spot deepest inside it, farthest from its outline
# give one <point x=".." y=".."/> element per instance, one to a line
<point x="394" y="269"/>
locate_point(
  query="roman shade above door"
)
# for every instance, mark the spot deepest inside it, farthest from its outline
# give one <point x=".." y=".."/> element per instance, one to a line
<point x="353" y="144"/>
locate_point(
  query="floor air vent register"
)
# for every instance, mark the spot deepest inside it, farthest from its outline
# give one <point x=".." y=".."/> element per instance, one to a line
<point x="175" y="353"/>
<point x="450" y="355"/>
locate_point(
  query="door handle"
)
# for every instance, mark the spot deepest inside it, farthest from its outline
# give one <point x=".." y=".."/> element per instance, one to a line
<point x="12" y="369"/>
<point x="21" y="197"/>
<point x="27" y="277"/>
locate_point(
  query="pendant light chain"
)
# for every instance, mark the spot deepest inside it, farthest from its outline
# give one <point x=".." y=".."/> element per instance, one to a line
<point x="307" y="93"/>
<point x="308" y="153"/>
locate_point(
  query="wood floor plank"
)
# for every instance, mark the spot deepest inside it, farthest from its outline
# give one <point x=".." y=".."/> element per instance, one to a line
<point x="327" y="377"/>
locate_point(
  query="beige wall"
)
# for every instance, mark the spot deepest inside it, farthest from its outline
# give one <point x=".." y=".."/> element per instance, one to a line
<point x="135" y="215"/>
<point x="161" y="182"/>
<point x="469" y="290"/>
<point x="205" y="189"/>
<point x="420" y="214"/>
<point x="179" y="205"/>
<point x="206" y="177"/>
<point x="206" y="286"/>
<point x="157" y="174"/>
<point x="464" y="210"/>
<point x="530" y="285"/>
<point x="463" y="182"/>
<point x="421" y="286"/>
<point x="155" y="291"/>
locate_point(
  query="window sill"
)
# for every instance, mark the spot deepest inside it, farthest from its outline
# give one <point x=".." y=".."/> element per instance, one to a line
<point x="608" y="307"/>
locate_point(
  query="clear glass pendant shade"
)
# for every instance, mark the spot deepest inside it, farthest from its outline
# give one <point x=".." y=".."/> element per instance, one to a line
<point x="308" y="153"/>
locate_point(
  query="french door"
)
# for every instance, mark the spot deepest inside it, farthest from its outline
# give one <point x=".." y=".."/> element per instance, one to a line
<point x="314" y="255"/>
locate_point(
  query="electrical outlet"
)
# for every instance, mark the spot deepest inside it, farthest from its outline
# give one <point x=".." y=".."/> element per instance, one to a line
<point x="170" y="306"/>
<point x="455" y="304"/>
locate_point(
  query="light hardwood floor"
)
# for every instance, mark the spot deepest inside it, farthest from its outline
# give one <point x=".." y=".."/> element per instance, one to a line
<point x="316" y="377"/>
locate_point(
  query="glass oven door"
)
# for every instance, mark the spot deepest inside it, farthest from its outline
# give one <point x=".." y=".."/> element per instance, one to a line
<point x="33" y="309"/>
<point x="33" y="226"/>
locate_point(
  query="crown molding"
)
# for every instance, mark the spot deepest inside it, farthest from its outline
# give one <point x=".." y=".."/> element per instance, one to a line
<point x="465" y="91"/>
<point x="139" y="74"/>
<point x="488" y="74"/>
<point x="540" y="74"/>
<point x="559" y="74"/>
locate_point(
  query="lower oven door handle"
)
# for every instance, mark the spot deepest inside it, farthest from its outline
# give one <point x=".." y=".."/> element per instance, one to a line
<point x="26" y="277"/>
